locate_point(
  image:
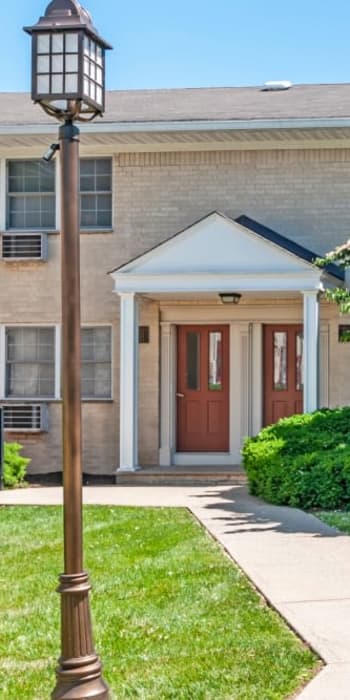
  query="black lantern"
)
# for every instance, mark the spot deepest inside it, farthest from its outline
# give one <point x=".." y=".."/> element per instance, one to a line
<point x="68" y="62"/>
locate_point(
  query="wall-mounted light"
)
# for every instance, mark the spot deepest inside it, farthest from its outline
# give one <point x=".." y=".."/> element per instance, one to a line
<point x="229" y="297"/>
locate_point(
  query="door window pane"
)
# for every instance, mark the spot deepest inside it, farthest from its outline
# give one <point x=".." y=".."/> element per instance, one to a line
<point x="215" y="361"/>
<point x="299" y="361"/>
<point x="280" y="382"/>
<point x="192" y="361"/>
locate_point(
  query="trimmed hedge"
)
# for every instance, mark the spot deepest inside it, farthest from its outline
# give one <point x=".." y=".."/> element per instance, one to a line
<point x="302" y="461"/>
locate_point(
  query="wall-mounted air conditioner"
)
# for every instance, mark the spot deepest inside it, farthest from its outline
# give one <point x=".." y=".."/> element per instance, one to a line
<point x="23" y="246"/>
<point x="26" y="417"/>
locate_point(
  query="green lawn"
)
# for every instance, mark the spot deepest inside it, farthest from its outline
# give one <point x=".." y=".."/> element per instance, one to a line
<point x="173" y="616"/>
<point x="336" y="518"/>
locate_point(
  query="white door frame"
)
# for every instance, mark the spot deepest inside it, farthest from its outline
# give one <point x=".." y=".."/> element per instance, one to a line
<point x="239" y="392"/>
<point x="245" y="395"/>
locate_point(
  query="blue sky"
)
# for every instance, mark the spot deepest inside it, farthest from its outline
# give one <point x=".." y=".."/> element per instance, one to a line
<point x="197" y="43"/>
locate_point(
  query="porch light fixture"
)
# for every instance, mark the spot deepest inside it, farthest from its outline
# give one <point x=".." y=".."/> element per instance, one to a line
<point x="68" y="67"/>
<point x="230" y="297"/>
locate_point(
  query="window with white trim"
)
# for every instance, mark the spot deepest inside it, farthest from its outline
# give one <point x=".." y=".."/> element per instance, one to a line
<point x="29" y="362"/>
<point x="95" y="193"/>
<point x="30" y="195"/>
<point x="96" y="362"/>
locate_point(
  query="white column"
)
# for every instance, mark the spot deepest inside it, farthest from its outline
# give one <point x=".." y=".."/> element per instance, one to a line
<point x="235" y="393"/>
<point x="257" y="378"/>
<point x="167" y="394"/>
<point x="311" y="350"/>
<point x="128" y="382"/>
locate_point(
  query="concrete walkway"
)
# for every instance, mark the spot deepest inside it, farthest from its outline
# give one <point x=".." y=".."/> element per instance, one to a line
<point x="299" y="564"/>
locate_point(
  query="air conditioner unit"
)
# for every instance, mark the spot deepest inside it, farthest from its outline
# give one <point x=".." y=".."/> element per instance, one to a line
<point x="24" y="246"/>
<point x="32" y="418"/>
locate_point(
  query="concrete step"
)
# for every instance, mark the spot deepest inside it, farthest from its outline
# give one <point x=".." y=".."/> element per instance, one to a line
<point x="182" y="476"/>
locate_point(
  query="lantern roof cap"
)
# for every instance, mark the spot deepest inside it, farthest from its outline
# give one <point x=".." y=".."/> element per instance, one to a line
<point x="67" y="14"/>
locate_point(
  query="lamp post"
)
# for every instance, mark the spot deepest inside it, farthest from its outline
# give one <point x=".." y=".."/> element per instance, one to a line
<point x="68" y="83"/>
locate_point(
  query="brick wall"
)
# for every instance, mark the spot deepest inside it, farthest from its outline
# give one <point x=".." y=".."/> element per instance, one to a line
<point x="303" y="194"/>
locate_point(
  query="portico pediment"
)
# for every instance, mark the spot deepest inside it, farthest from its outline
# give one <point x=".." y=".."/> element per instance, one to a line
<point x="221" y="253"/>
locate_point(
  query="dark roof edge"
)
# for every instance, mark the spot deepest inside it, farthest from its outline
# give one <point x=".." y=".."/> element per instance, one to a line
<point x="289" y="245"/>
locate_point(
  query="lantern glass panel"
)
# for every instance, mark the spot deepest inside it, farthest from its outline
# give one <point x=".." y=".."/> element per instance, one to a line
<point x="43" y="64"/>
<point x="57" y="84"/>
<point x="57" y="43"/>
<point x="99" y="55"/>
<point x="57" y="63"/>
<point x="43" y="43"/>
<point x="71" y="82"/>
<point x="99" y="95"/>
<point x="71" y="63"/>
<point x="43" y="84"/>
<point x="71" y="43"/>
<point x="99" y="76"/>
<point x="92" y="50"/>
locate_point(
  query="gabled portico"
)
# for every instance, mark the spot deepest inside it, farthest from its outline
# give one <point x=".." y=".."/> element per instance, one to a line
<point x="216" y="254"/>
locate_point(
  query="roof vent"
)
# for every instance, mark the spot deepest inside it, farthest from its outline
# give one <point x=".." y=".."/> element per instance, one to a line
<point x="277" y="85"/>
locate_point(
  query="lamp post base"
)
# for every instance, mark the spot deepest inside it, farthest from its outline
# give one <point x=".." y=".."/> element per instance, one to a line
<point x="79" y="674"/>
<point x="89" y="690"/>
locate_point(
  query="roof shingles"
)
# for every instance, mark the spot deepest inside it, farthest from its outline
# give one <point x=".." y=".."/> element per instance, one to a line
<point x="200" y="104"/>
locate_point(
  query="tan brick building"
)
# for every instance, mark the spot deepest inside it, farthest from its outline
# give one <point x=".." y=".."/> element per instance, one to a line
<point x="186" y="196"/>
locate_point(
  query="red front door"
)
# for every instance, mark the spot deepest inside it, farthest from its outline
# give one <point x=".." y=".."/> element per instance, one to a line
<point x="203" y="389"/>
<point x="283" y="371"/>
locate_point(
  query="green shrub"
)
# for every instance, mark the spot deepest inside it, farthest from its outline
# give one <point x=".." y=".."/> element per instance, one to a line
<point x="15" y="466"/>
<point x="302" y="461"/>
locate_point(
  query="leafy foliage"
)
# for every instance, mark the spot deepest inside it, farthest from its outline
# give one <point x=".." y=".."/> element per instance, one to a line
<point x="15" y="466"/>
<point x="302" y="461"/>
<point x="341" y="296"/>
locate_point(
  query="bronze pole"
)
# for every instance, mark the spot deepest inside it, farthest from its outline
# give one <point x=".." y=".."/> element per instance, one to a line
<point x="79" y="674"/>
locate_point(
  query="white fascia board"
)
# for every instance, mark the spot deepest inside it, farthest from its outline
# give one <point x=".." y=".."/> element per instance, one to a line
<point x="195" y="125"/>
<point x="265" y="282"/>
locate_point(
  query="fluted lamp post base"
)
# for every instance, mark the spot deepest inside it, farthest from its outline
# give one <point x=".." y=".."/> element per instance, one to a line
<point x="79" y="671"/>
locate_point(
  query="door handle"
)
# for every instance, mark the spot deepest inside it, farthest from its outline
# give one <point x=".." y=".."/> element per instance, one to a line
<point x="180" y="396"/>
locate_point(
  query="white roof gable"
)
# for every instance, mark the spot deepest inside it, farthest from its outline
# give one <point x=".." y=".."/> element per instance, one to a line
<point x="216" y="253"/>
<point x="216" y="244"/>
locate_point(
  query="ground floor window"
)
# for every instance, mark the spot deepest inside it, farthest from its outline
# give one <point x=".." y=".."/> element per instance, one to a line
<point x="96" y="362"/>
<point x="30" y="362"/>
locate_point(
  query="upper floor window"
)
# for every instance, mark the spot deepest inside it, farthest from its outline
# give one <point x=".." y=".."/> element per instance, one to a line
<point x="30" y="362"/>
<point x="95" y="193"/>
<point x="30" y="194"/>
